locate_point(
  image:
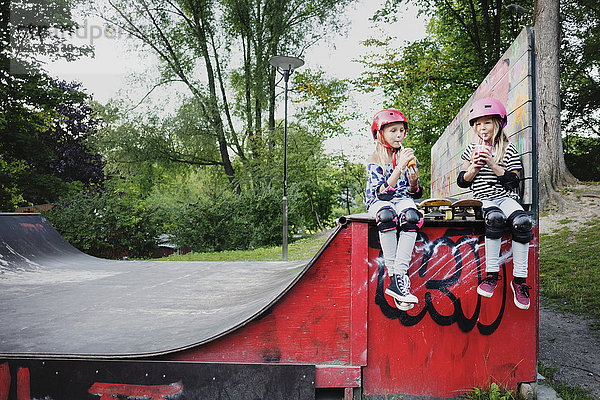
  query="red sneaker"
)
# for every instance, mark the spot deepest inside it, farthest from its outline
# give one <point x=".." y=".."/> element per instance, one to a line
<point x="487" y="285"/>
<point x="521" y="292"/>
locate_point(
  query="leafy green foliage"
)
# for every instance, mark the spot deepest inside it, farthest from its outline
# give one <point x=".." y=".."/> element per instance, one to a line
<point x="493" y="392"/>
<point x="229" y="222"/>
<point x="10" y="195"/>
<point x="31" y="101"/>
<point x="47" y="138"/>
<point x="582" y="156"/>
<point x="580" y="61"/>
<point x="326" y="111"/>
<point x="323" y="103"/>
<point x="110" y="224"/>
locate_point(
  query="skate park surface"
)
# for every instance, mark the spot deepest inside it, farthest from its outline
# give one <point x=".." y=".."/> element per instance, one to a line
<point x="57" y="300"/>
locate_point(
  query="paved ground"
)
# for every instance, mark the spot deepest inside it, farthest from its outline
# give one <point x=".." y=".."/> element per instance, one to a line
<point x="568" y="344"/>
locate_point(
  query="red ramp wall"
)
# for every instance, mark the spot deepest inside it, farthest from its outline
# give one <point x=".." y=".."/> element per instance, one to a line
<point x="454" y="339"/>
<point x="338" y="318"/>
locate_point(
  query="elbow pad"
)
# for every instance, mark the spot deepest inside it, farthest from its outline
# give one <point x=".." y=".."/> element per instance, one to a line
<point x="387" y="194"/>
<point x="509" y="180"/>
<point x="461" y="181"/>
<point x="417" y="193"/>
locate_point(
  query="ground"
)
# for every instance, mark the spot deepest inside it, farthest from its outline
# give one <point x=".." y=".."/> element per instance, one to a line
<point x="566" y="341"/>
<point x="581" y="204"/>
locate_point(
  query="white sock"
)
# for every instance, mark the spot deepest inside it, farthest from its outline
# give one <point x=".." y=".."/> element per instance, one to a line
<point x="406" y="244"/>
<point x="520" y="259"/>
<point x="492" y="254"/>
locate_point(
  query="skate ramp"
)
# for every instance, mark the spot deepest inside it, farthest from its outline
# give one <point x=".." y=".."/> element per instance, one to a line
<point x="58" y="301"/>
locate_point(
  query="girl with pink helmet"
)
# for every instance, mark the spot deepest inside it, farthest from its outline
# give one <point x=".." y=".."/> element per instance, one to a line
<point x="392" y="184"/>
<point x="491" y="168"/>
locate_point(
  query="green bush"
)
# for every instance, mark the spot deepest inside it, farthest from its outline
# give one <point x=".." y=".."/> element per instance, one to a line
<point x="229" y="222"/>
<point x="112" y="224"/>
<point x="582" y="156"/>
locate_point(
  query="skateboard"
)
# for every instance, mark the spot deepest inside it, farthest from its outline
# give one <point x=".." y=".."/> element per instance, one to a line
<point x="466" y="208"/>
<point x="436" y="208"/>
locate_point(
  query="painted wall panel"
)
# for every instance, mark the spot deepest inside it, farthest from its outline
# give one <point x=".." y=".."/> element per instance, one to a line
<point x="453" y="339"/>
<point x="510" y="81"/>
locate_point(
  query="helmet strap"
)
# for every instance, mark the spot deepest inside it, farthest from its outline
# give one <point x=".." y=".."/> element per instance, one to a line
<point x="385" y="144"/>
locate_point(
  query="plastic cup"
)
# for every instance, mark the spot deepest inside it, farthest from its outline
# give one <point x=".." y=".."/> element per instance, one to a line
<point x="480" y="148"/>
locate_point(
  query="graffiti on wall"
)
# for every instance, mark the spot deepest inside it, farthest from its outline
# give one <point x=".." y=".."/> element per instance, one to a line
<point x="511" y="82"/>
<point x="444" y="275"/>
<point x="65" y="379"/>
<point x="105" y="390"/>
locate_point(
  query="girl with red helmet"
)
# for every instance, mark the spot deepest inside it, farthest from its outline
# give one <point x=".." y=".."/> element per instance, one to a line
<point x="490" y="169"/>
<point x="392" y="184"/>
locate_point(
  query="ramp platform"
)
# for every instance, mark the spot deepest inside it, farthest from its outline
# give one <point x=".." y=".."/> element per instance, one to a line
<point x="58" y="301"/>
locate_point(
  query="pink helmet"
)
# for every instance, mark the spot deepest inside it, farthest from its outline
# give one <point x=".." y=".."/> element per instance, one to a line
<point x="487" y="107"/>
<point x="385" y="117"/>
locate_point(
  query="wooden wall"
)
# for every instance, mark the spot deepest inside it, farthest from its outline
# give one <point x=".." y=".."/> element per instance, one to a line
<point x="511" y="81"/>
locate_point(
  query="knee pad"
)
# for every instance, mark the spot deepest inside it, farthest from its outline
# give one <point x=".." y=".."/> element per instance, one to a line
<point x="521" y="226"/>
<point x="411" y="220"/>
<point x="386" y="219"/>
<point x="495" y="223"/>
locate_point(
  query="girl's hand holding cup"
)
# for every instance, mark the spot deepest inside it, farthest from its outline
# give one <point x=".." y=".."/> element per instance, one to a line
<point x="404" y="157"/>
<point x="481" y="154"/>
<point x="412" y="173"/>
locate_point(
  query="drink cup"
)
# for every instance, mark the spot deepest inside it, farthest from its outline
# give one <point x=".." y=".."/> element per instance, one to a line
<point x="480" y="148"/>
<point x="412" y="165"/>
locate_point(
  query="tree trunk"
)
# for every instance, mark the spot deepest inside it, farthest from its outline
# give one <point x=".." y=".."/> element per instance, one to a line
<point x="552" y="170"/>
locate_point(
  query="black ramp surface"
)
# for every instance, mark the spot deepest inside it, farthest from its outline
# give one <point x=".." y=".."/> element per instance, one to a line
<point x="58" y="301"/>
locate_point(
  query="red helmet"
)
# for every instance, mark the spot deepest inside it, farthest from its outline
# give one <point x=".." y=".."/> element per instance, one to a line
<point x="487" y="107"/>
<point x="385" y="117"/>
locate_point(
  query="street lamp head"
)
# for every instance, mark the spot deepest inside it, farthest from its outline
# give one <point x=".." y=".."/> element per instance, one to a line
<point x="517" y="9"/>
<point x="286" y="63"/>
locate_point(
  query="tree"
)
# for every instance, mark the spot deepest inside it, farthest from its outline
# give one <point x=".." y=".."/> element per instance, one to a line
<point x="580" y="86"/>
<point x="195" y="38"/>
<point x="28" y="96"/>
<point x="431" y="79"/>
<point x="579" y="65"/>
<point x="326" y="110"/>
<point x="45" y="150"/>
<point x="113" y="223"/>
<point x="552" y="169"/>
<point x="71" y="158"/>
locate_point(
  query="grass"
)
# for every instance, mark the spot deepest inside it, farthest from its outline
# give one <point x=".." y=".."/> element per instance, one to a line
<point x="305" y="247"/>
<point x="564" y="391"/>
<point x="493" y="392"/>
<point x="570" y="269"/>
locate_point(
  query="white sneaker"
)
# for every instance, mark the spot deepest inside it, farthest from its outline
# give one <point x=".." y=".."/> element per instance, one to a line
<point x="403" y="306"/>
<point x="399" y="289"/>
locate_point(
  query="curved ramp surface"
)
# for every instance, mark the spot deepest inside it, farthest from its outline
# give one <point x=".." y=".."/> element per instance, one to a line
<point x="58" y="301"/>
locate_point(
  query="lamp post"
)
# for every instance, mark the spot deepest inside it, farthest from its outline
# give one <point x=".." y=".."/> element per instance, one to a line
<point x="285" y="65"/>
